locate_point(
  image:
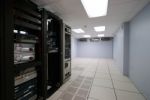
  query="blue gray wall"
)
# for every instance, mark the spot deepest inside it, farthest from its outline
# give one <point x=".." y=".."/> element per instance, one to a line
<point x="118" y="48"/>
<point x="132" y="50"/>
<point x="121" y="48"/>
<point x="95" y="49"/>
<point x="140" y="51"/>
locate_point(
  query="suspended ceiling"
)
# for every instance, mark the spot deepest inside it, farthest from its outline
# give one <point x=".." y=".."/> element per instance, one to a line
<point x="73" y="14"/>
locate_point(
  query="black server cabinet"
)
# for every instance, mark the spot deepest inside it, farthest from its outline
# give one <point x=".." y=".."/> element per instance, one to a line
<point x="22" y="70"/>
<point x="29" y="52"/>
<point x="54" y="69"/>
<point x="6" y="50"/>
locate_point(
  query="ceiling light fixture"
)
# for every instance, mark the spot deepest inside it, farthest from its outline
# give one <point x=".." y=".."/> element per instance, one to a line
<point x="15" y="31"/>
<point x="78" y="30"/>
<point x="100" y="35"/>
<point x="86" y="36"/>
<point x="99" y="28"/>
<point x="23" y="32"/>
<point x="95" y="8"/>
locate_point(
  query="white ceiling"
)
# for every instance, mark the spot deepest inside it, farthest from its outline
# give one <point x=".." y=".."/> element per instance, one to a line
<point x="73" y="14"/>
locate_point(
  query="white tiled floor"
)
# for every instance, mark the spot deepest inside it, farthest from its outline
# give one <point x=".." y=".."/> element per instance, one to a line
<point x="96" y="79"/>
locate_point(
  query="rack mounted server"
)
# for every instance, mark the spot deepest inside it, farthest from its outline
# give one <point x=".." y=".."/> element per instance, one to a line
<point x="66" y="53"/>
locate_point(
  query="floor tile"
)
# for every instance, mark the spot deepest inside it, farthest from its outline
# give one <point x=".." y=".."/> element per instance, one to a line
<point x="77" y="81"/>
<point x="79" y="98"/>
<point x="115" y="72"/>
<point x="91" y="99"/>
<point x="103" y="83"/>
<point x="55" y="95"/>
<point x="101" y="93"/>
<point x="123" y="95"/>
<point x="75" y="84"/>
<point x="82" y="92"/>
<point x="71" y="89"/>
<point x="87" y="82"/>
<point x="73" y="77"/>
<point x="102" y="76"/>
<point x="65" y="96"/>
<point x="86" y="86"/>
<point x="88" y="74"/>
<point x="89" y="78"/>
<point x="120" y="78"/>
<point x="64" y="86"/>
<point x="125" y="86"/>
<point x="103" y="71"/>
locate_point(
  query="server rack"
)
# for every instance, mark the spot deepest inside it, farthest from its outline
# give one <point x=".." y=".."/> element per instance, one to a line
<point x="31" y="66"/>
<point x="35" y="52"/>
<point x="22" y="71"/>
<point x="66" y="52"/>
<point x="54" y="69"/>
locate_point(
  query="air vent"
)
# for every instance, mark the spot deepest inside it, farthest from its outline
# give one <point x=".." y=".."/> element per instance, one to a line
<point x="94" y="39"/>
<point x="106" y="38"/>
<point x="83" y="39"/>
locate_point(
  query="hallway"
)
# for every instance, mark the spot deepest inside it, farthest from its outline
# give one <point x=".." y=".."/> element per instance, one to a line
<point x="75" y="50"/>
<point x="97" y="79"/>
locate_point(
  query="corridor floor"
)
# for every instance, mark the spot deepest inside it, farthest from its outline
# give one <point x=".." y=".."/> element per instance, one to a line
<point x="96" y="79"/>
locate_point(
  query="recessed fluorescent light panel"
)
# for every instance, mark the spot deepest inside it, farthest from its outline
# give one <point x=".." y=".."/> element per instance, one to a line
<point x="23" y="32"/>
<point x="99" y="28"/>
<point x="78" y="30"/>
<point x="15" y="31"/>
<point x="86" y="36"/>
<point x="95" y="8"/>
<point x="100" y="35"/>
